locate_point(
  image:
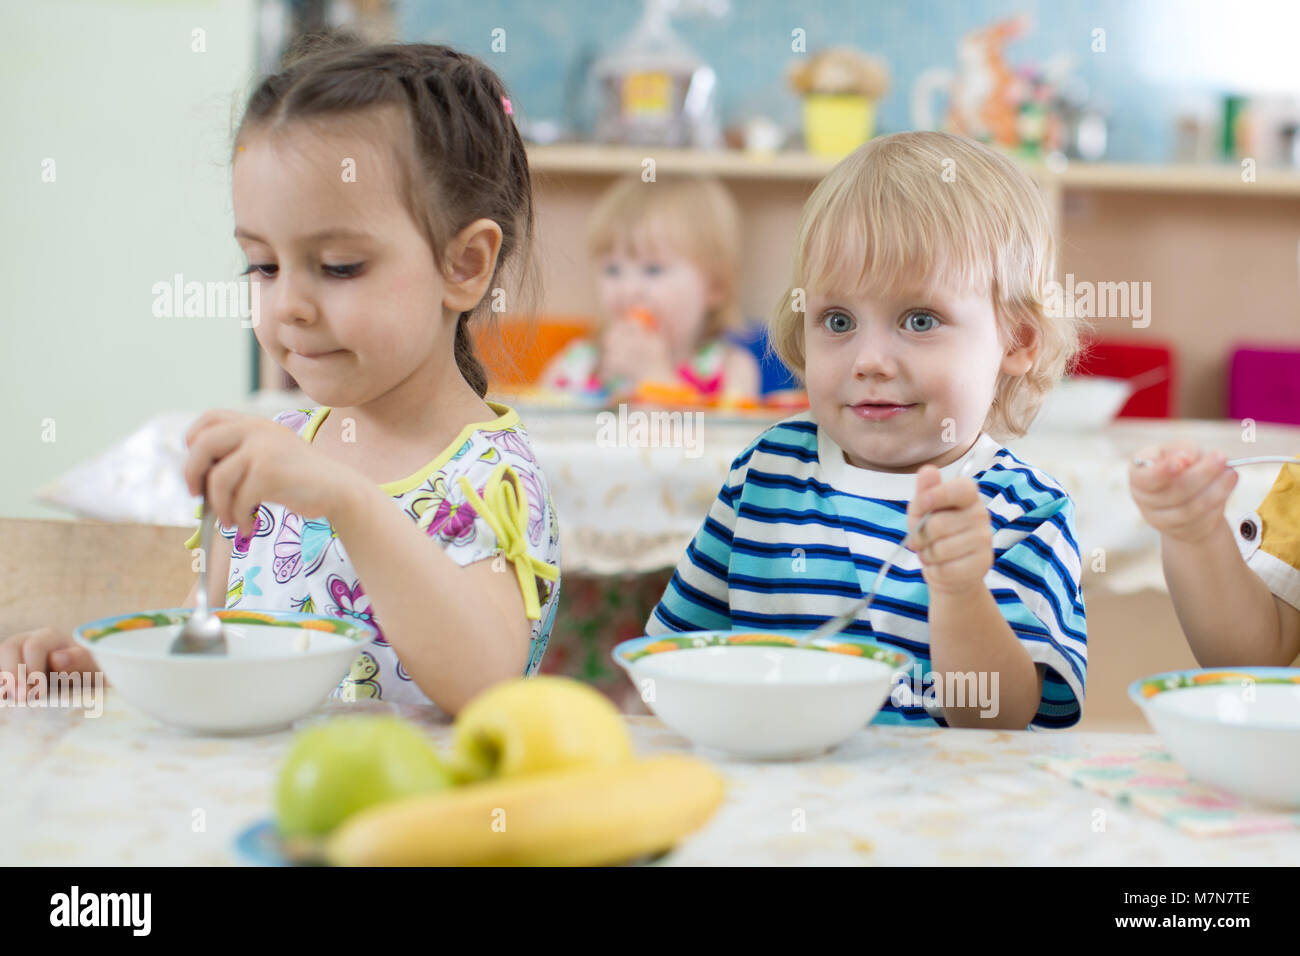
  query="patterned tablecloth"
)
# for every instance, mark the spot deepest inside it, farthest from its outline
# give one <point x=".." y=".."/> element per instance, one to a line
<point x="120" y="789"/>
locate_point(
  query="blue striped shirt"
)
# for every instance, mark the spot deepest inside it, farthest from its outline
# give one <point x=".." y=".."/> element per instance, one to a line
<point x="797" y="534"/>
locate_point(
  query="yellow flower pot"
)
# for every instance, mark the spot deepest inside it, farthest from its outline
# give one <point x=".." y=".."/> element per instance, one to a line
<point x="835" y="124"/>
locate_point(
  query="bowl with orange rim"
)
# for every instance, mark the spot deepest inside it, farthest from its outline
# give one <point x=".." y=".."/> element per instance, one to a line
<point x="279" y="667"/>
<point x="755" y="694"/>
<point x="1234" y="728"/>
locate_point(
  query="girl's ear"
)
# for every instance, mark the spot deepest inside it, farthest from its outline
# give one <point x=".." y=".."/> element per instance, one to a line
<point x="470" y="260"/>
<point x="1019" y="357"/>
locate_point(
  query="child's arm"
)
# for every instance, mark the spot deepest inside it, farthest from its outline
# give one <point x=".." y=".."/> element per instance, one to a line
<point x="1226" y="610"/>
<point x="969" y="632"/>
<point x="457" y="630"/>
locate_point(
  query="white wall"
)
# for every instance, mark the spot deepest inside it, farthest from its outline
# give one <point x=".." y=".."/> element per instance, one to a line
<point x="138" y="125"/>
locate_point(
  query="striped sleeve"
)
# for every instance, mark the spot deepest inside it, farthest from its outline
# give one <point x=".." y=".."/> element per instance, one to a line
<point x="696" y="598"/>
<point x="1035" y="580"/>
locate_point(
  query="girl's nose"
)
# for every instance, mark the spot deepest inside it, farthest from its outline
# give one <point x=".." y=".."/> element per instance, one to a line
<point x="293" y="302"/>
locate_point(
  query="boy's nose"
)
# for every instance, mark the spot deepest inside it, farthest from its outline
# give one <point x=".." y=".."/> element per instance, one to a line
<point x="875" y="356"/>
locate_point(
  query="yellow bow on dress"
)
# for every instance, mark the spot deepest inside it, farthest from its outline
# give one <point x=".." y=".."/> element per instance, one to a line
<point x="504" y="506"/>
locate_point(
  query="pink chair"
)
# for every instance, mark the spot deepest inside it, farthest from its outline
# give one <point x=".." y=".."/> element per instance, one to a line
<point x="1264" y="384"/>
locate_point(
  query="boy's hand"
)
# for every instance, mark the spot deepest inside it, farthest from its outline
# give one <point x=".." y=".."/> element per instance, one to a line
<point x="1182" y="493"/>
<point x="248" y="460"/>
<point x="631" y="352"/>
<point x="956" y="544"/>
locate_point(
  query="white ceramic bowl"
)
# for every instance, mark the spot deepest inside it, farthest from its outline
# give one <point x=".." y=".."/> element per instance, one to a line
<point x="1236" y="729"/>
<point x="1083" y="403"/>
<point x="750" y="694"/>
<point x="280" y="667"/>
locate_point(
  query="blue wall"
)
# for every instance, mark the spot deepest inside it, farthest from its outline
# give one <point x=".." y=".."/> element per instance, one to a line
<point x="750" y="50"/>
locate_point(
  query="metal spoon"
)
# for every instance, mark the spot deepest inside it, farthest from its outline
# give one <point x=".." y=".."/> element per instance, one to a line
<point x="1237" y="462"/>
<point x="840" y="622"/>
<point x="843" y="620"/>
<point x="202" y="632"/>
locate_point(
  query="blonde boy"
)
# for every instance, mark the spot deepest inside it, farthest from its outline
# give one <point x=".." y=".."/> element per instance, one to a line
<point x="915" y="320"/>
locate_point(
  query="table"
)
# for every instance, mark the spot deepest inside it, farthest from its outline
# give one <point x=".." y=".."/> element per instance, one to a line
<point x="121" y="789"/>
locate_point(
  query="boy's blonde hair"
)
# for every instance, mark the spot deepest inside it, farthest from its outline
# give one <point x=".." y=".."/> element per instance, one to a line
<point x="920" y="212"/>
<point x="693" y="215"/>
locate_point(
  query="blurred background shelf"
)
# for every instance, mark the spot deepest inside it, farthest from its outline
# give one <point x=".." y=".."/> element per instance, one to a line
<point x="589" y="159"/>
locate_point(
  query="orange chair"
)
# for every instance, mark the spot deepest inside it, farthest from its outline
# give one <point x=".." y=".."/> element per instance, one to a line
<point x="515" y="349"/>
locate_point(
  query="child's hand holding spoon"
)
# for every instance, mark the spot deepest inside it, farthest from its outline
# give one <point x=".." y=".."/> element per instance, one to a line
<point x="962" y="521"/>
<point x="1181" y="491"/>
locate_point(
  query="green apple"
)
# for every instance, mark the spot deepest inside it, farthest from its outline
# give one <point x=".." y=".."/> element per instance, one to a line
<point x="349" y="763"/>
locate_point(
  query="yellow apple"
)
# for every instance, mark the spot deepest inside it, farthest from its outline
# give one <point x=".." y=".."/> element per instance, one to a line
<point x="536" y="725"/>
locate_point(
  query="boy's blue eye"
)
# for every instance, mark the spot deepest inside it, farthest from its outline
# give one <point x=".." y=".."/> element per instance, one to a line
<point x="653" y="269"/>
<point x="611" y="269"/>
<point x="928" y="321"/>
<point x="838" y="322"/>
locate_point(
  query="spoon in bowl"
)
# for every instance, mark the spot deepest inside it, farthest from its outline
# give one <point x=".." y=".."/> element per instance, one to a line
<point x="202" y="632"/>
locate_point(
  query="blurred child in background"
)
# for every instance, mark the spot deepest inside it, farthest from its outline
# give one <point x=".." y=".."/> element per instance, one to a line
<point x="665" y="254"/>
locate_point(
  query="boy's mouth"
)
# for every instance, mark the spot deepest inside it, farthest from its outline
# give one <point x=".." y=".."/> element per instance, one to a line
<point x="877" y="411"/>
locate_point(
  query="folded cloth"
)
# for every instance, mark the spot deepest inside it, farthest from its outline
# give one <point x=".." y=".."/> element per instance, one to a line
<point x="1151" y="780"/>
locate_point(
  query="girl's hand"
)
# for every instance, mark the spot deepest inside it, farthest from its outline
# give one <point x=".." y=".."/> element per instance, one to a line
<point x="248" y="460"/>
<point x="956" y="545"/>
<point x="632" y="353"/>
<point x="1183" y="492"/>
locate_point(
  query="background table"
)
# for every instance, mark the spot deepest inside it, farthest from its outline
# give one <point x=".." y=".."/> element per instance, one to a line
<point x="120" y="789"/>
<point x="627" y="509"/>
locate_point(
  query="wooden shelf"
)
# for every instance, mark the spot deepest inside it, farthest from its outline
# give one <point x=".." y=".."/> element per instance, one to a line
<point x="587" y="159"/>
<point x="592" y="160"/>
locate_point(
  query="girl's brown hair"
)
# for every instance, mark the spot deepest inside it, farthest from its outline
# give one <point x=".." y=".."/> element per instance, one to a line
<point x="458" y="154"/>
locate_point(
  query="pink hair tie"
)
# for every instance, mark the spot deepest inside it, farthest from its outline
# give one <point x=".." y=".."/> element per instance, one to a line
<point x="510" y="110"/>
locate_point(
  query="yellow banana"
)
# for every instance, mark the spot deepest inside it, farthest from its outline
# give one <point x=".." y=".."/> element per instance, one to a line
<point x="587" y="817"/>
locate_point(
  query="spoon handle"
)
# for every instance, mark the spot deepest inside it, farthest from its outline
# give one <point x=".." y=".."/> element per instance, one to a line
<point x="1262" y="460"/>
<point x="205" y="542"/>
<point x="844" y="619"/>
<point x="1238" y="462"/>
